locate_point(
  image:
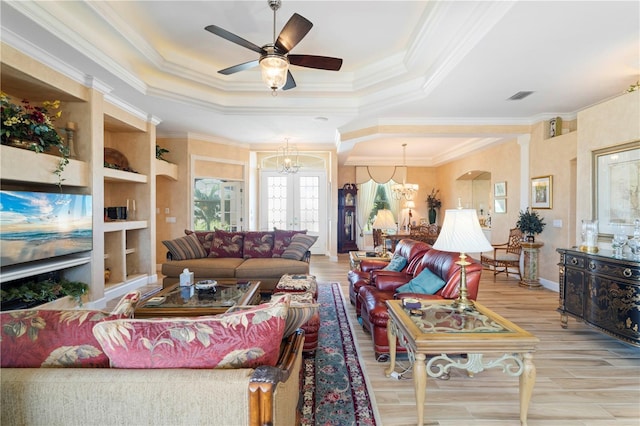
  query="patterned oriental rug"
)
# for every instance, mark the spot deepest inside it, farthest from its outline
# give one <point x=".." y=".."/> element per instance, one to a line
<point x="334" y="388"/>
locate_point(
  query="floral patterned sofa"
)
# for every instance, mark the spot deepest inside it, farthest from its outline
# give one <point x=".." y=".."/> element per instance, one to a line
<point x="250" y="255"/>
<point x="239" y="368"/>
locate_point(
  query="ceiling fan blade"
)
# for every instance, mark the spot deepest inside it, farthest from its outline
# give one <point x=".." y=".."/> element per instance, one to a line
<point x="294" y="30"/>
<point x="291" y="83"/>
<point x="313" y="61"/>
<point x="240" y="67"/>
<point x="233" y="38"/>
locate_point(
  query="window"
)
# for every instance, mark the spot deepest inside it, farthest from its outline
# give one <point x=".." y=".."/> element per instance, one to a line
<point x="380" y="202"/>
<point x="217" y="204"/>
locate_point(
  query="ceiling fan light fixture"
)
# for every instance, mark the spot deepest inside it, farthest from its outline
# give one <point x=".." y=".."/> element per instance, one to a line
<point x="274" y="69"/>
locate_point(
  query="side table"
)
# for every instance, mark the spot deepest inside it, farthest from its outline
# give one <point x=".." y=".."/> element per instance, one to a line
<point x="530" y="277"/>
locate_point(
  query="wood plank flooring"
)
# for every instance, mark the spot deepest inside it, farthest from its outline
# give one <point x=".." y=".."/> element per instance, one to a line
<point x="584" y="378"/>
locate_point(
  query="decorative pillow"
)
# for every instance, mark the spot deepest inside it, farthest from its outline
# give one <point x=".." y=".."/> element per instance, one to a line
<point x="300" y="244"/>
<point x="282" y="239"/>
<point x="298" y="315"/>
<point x="57" y="338"/>
<point x="242" y="339"/>
<point x="426" y="283"/>
<point x="205" y="238"/>
<point x="184" y="248"/>
<point x="396" y="264"/>
<point x="227" y="244"/>
<point x="258" y="244"/>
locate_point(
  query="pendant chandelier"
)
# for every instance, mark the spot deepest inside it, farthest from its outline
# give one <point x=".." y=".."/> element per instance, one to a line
<point x="404" y="190"/>
<point x="287" y="159"/>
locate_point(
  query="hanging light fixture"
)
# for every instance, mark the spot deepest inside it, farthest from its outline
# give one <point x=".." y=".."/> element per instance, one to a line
<point x="287" y="159"/>
<point x="273" y="64"/>
<point x="404" y="190"/>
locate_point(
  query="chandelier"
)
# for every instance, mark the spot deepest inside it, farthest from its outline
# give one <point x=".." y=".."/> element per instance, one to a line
<point x="287" y="159"/>
<point x="404" y="190"/>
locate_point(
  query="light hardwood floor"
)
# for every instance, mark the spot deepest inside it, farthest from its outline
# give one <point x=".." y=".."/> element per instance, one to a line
<point x="584" y="378"/>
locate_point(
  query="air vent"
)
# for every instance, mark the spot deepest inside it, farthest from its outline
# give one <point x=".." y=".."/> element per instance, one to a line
<point x="519" y="96"/>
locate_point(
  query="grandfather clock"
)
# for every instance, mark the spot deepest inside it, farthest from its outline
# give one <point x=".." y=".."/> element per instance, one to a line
<point x="347" y="229"/>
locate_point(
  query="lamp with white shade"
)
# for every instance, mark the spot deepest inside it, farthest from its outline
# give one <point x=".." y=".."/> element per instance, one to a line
<point x="461" y="233"/>
<point x="384" y="221"/>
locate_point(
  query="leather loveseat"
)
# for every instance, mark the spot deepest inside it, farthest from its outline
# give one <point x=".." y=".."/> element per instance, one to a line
<point x="373" y="298"/>
<point x="411" y="250"/>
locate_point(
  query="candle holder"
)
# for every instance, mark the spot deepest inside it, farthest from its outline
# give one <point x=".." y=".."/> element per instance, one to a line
<point x="589" y="236"/>
<point x="70" y="131"/>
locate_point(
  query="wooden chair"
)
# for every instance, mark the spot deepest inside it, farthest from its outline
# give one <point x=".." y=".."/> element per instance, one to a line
<point x="505" y="255"/>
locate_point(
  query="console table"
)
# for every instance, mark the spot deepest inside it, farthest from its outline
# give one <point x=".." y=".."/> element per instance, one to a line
<point x="602" y="290"/>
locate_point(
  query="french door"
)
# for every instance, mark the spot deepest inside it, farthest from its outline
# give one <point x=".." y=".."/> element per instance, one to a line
<point x="297" y="202"/>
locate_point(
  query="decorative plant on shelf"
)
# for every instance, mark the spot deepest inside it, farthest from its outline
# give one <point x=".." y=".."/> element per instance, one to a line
<point x="34" y="293"/>
<point x="31" y="127"/>
<point x="530" y="223"/>
<point x="433" y="202"/>
<point x="160" y="152"/>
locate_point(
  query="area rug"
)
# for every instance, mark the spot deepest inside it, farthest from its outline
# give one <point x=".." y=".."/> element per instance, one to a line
<point x="334" y="387"/>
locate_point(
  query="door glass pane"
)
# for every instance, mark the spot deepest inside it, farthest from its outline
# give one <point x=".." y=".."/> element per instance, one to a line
<point x="309" y="197"/>
<point x="217" y="205"/>
<point x="277" y="202"/>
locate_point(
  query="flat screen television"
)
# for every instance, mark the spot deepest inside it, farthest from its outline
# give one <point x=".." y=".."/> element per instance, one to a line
<point x="42" y="225"/>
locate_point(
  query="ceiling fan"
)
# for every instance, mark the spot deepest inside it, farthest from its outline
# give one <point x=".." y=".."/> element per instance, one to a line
<point x="274" y="57"/>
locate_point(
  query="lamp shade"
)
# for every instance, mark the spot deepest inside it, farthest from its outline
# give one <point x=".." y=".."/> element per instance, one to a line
<point x="410" y="205"/>
<point x="274" y="70"/>
<point x="461" y="233"/>
<point x="384" y="220"/>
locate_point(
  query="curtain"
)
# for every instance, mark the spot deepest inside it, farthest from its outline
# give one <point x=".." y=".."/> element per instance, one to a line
<point x="366" y="196"/>
<point x="394" y="205"/>
<point x="380" y="174"/>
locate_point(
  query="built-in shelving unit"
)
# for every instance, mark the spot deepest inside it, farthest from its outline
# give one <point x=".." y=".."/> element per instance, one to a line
<point x="166" y="169"/>
<point x="127" y="247"/>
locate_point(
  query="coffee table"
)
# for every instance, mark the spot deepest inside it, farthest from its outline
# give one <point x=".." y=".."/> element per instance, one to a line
<point x="438" y="329"/>
<point x="176" y="301"/>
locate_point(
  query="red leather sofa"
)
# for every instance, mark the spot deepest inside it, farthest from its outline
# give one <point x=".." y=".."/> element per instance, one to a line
<point x="372" y="298"/>
<point x="411" y="250"/>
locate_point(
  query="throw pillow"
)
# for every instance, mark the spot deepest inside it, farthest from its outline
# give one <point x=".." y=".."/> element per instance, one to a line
<point x="396" y="264"/>
<point x="426" y="283"/>
<point x="187" y="247"/>
<point x="282" y="239"/>
<point x="227" y="244"/>
<point x="299" y="314"/>
<point x="205" y="238"/>
<point x="300" y="244"/>
<point x="242" y="339"/>
<point x="34" y="338"/>
<point x="258" y="245"/>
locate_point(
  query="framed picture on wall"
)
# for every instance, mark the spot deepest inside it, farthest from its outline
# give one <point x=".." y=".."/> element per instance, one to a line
<point x="617" y="186"/>
<point x="500" y="205"/>
<point x="542" y="192"/>
<point x="500" y="189"/>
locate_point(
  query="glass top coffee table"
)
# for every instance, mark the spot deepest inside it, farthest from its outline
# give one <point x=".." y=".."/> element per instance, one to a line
<point x="438" y="329"/>
<point x="176" y="301"/>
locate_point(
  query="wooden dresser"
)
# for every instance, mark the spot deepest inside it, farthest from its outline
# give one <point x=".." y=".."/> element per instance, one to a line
<point x="601" y="290"/>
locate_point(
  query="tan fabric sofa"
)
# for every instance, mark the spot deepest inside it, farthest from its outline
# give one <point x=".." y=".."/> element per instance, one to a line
<point x="103" y="396"/>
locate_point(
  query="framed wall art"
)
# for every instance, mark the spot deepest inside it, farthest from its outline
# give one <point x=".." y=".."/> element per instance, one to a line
<point x="616" y="186"/>
<point x="542" y="192"/>
<point x="500" y="189"/>
<point x="500" y="205"/>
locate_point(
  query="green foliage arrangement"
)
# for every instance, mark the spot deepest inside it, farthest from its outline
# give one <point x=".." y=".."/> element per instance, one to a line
<point x="160" y="152"/>
<point x="530" y="222"/>
<point x="33" y="126"/>
<point x="433" y="202"/>
<point x="38" y="292"/>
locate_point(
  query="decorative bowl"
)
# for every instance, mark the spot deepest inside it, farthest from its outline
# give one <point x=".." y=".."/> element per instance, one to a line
<point x="206" y="285"/>
<point x="411" y="303"/>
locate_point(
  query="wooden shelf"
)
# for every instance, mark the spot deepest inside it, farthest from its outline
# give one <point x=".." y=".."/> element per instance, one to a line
<point x="10" y="273"/>
<point x="114" y="175"/>
<point x="28" y="166"/>
<point x="124" y="225"/>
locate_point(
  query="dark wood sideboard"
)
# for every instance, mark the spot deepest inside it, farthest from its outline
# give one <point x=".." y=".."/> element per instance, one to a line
<point x="601" y="290"/>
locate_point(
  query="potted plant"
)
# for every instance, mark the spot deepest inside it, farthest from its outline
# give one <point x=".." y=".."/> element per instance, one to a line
<point x="31" y="127"/>
<point x="160" y="151"/>
<point x="433" y="202"/>
<point x="530" y="223"/>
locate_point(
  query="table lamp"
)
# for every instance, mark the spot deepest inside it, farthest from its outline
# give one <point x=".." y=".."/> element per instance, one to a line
<point x="461" y="232"/>
<point x="384" y="220"/>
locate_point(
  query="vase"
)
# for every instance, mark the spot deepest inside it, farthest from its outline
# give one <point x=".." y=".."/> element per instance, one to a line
<point x="432" y="215"/>
<point x="531" y="238"/>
